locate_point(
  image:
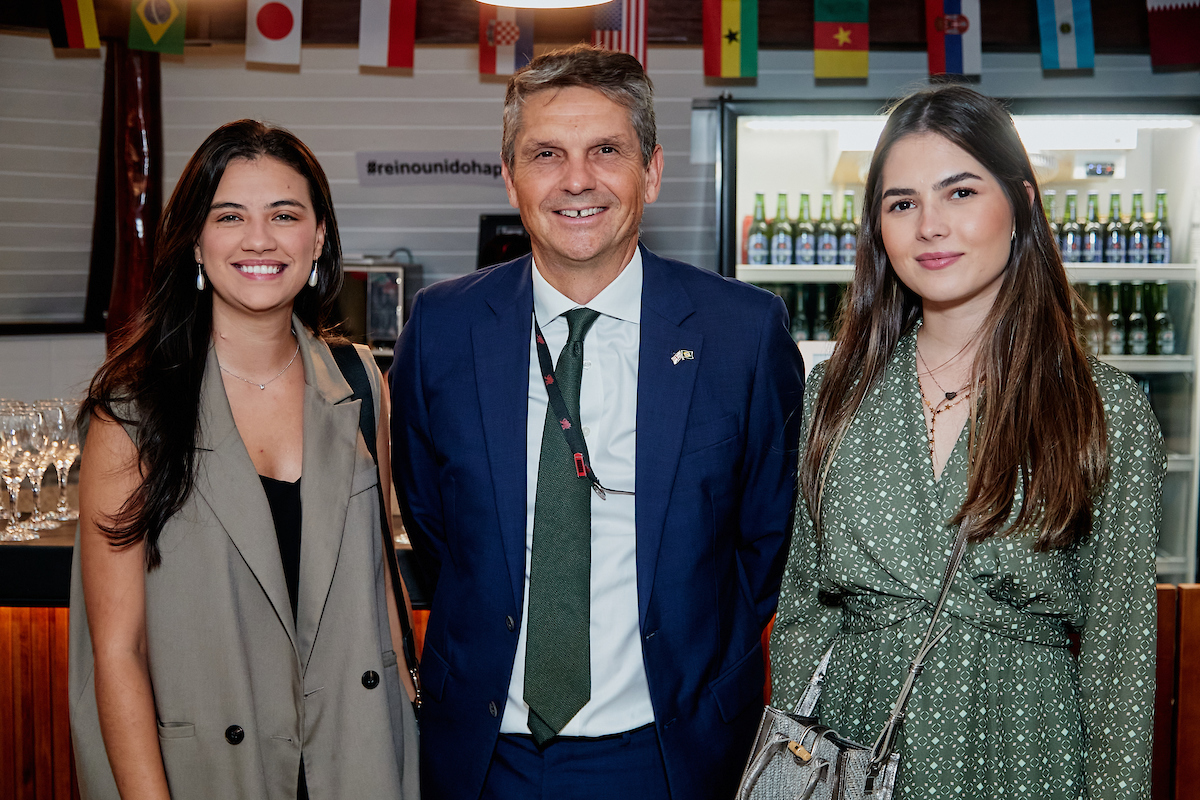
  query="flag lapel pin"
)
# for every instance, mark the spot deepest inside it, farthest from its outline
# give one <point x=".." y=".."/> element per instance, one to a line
<point x="681" y="355"/>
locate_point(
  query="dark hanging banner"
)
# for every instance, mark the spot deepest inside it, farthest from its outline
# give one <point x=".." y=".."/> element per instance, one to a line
<point x="138" y="180"/>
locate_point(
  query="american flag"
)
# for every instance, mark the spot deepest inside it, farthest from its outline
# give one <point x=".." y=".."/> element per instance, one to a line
<point x="621" y="25"/>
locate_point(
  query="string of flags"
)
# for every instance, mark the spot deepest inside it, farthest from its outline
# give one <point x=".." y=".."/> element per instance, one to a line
<point x="841" y="32"/>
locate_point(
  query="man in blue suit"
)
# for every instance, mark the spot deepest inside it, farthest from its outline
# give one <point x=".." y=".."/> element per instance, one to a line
<point x="595" y="453"/>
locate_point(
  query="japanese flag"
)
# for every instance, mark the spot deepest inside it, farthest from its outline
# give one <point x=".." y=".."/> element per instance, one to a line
<point x="273" y="31"/>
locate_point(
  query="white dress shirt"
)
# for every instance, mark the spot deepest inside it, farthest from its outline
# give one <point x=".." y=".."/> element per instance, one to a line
<point x="620" y="699"/>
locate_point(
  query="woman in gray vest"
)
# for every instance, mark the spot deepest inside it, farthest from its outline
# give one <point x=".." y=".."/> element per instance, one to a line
<point x="240" y="636"/>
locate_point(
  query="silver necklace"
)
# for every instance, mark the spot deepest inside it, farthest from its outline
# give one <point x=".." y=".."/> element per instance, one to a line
<point x="262" y="386"/>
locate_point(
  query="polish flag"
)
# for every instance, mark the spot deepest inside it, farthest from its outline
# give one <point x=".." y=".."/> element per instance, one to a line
<point x="387" y="33"/>
<point x="273" y="31"/>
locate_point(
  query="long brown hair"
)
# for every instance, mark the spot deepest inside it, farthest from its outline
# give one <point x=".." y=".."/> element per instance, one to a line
<point x="158" y="367"/>
<point x="1038" y="418"/>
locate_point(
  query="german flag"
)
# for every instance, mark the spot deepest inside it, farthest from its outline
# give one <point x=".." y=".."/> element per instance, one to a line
<point x="731" y="38"/>
<point x="840" y="37"/>
<point x="73" y="24"/>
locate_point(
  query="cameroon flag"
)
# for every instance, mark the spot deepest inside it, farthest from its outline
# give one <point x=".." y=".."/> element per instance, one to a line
<point x="157" y="25"/>
<point x="840" y="39"/>
<point x="731" y="38"/>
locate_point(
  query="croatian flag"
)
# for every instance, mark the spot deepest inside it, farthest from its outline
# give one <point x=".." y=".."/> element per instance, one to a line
<point x="952" y="30"/>
<point x="1066" y="30"/>
<point x="505" y="39"/>
<point x="621" y="25"/>
<point x="387" y="33"/>
<point x="273" y="31"/>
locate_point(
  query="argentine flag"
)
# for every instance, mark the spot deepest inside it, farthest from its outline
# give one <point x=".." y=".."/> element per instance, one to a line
<point x="1066" y="31"/>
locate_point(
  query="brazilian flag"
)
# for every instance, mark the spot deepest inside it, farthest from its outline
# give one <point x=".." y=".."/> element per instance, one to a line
<point x="157" y="25"/>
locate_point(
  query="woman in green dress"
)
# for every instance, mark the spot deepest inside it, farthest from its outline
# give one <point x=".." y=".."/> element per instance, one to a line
<point x="958" y="388"/>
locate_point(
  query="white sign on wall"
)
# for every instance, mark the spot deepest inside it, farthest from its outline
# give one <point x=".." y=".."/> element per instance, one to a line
<point x="426" y="168"/>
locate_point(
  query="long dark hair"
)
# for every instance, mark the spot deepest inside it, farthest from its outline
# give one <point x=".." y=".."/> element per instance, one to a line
<point x="1041" y="414"/>
<point x="152" y="379"/>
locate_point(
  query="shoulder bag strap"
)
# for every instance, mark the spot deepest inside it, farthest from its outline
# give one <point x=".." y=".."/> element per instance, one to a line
<point x="352" y="369"/>
<point x="887" y="738"/>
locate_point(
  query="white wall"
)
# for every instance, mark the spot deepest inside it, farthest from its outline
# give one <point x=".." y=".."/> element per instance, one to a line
<point x="49" y="145"/>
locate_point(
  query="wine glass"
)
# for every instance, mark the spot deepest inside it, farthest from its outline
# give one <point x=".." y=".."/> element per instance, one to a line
<point x="21" y="430"/>
<point x="46" y="435"/>
<point x="65" y="454"/>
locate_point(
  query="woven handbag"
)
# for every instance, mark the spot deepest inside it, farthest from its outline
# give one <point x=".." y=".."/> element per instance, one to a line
<point x="795" y="757"/>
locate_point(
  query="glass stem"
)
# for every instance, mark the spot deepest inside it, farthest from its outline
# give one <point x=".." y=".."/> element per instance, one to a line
<point x="64" y="471"/>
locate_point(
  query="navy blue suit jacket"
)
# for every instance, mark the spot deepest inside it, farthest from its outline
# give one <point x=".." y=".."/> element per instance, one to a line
<point x="715" y="488"/>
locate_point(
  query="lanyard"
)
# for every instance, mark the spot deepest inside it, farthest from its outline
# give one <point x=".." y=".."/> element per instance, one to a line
<point x="579" y="451"/>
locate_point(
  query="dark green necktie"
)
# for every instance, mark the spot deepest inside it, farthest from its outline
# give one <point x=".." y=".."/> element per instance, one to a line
<point x="558" y="679"/>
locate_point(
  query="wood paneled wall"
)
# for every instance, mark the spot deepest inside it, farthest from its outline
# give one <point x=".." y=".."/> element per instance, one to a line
<point x="35" y="734"/>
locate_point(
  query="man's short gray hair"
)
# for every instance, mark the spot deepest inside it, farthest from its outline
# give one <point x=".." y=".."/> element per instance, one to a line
<point x="618" y="76"/>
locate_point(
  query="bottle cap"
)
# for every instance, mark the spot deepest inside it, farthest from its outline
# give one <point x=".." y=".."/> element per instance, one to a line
<point x="1072" y="191"/>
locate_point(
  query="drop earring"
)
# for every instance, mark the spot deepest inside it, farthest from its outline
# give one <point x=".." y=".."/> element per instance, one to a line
<point x="199" y="277"/>
<point x="312" y="276"/>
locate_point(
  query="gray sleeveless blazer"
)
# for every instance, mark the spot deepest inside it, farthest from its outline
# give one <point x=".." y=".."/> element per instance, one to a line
<point x="223" y="648"/>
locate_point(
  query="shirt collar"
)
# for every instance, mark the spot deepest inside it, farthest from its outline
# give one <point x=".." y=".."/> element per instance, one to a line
<point x="621" y="299"/>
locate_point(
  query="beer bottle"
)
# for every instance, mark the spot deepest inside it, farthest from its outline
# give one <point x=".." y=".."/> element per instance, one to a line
<point x="1160" y="231"/>
<point x="1137" y="249"/>
<point x="1048" y="199"/>
<point x="758" y="243"/>
<point x="1093" y="322"/>
<point x="800" y="318"/>
<point x="781" y="233"/>
<point x="848" y="233"/>
<point x="1138" y="327"/>
<point x="1115" y="345"/>
<point x="1115" y="233"/>
<point x="806" y="235"/>
<point x="1092" y="248"/>
<point x="1072" y="234"/>
<point x="821" y="322"/>
<point x="827" y="232"/>
<point x="1164" y="326"/>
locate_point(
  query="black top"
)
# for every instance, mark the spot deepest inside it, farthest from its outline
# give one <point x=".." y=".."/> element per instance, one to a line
<point x="284" y="499"/>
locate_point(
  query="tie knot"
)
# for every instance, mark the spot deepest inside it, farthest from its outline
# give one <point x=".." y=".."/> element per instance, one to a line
<point x="579" y="322"/>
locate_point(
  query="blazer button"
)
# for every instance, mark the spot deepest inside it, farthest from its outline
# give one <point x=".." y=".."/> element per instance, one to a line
<point x="234" y="734"/>
<point x="370" y="679"/>
<point x="492" y="708"/>
<point x="510" y="623"/>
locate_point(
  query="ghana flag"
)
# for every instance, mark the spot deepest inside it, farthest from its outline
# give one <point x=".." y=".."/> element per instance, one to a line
<point x="731" y="38"/>
<point x="840" y="39"/>
<point x="157" y="25"/>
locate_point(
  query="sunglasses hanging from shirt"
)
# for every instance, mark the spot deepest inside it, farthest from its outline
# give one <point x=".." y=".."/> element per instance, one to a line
<point x="579" y="451"/>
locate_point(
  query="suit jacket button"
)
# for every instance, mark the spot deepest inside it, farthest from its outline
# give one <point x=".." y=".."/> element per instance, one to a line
<point x="510" y="623"/>
<point x="234" y="734"/>
<point x="492" y="708"/>
<point x="370" y="679"/>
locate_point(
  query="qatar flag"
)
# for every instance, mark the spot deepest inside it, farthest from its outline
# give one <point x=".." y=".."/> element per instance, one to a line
<point x="273" y="31"/>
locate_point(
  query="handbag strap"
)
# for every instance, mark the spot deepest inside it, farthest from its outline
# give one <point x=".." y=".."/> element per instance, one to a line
<point x="351" y="366"/>
<point x="884" y="745"/>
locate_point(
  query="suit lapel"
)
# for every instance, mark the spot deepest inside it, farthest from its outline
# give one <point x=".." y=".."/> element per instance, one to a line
<point x="228" y="483"/>
<point x="500" y="342"/>
<point x="664" y="398"/>
<point x="330" y="451"/>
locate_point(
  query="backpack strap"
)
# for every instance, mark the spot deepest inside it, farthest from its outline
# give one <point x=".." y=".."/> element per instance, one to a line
<point x="355" y="373"/>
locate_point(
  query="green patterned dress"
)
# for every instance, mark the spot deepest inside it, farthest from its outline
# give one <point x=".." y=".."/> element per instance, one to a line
<point x="1003" y="708"/>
